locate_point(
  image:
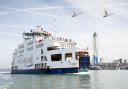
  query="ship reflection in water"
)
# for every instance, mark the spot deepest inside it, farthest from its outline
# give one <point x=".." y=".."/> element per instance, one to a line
<point x="70" y="81"/>
<point x="96" y="79"/>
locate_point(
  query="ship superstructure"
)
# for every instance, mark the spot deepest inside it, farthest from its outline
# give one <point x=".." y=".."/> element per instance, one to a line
<point x="43" y="53"/>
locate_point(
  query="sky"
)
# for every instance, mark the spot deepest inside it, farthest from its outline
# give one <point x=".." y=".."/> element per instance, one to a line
<point x="17" y="16"/>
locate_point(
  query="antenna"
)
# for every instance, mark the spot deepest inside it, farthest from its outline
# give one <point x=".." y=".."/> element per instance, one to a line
<point x="55" y="27"/>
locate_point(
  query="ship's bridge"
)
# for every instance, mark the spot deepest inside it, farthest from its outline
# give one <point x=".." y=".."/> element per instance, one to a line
<point x="39" y="32"/>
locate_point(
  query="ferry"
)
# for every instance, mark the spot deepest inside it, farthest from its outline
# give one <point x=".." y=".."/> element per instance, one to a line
<point x="43" y="53"/>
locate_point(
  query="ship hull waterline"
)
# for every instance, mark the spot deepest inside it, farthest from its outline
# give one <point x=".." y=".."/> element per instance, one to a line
<point x="47" y="71"/>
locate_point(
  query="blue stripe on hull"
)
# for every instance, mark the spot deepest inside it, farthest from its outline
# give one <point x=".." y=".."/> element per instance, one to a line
<point x="45" y="71"/>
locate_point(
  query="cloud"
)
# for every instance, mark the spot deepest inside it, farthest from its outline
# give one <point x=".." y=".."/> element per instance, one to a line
<point x="39" y="11"/>
<point x="31" y="9"/>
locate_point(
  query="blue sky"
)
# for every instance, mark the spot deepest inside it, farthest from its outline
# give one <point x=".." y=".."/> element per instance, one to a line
<point x="17" y="16"/>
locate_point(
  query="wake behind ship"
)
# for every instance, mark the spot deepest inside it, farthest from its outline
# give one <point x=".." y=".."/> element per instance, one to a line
<point x="42" y="53"/>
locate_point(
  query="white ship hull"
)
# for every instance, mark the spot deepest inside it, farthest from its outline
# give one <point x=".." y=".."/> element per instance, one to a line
<point x="40" y="53"/>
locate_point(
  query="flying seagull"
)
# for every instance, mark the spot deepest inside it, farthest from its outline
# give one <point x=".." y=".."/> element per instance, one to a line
<point x="75" y="14"/>
<point x="106" y="14"/>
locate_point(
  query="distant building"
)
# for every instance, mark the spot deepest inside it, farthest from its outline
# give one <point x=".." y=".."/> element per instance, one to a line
<point x="125" y="60"/>
<point x="121" y="60"/>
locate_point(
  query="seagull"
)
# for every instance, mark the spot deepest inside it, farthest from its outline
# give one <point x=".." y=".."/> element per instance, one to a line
<point x="75" y="14"/>
<point x="106" y="14"/>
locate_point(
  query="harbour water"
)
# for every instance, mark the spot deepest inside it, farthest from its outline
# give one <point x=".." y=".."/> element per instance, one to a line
<point x="98" y="79"/>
